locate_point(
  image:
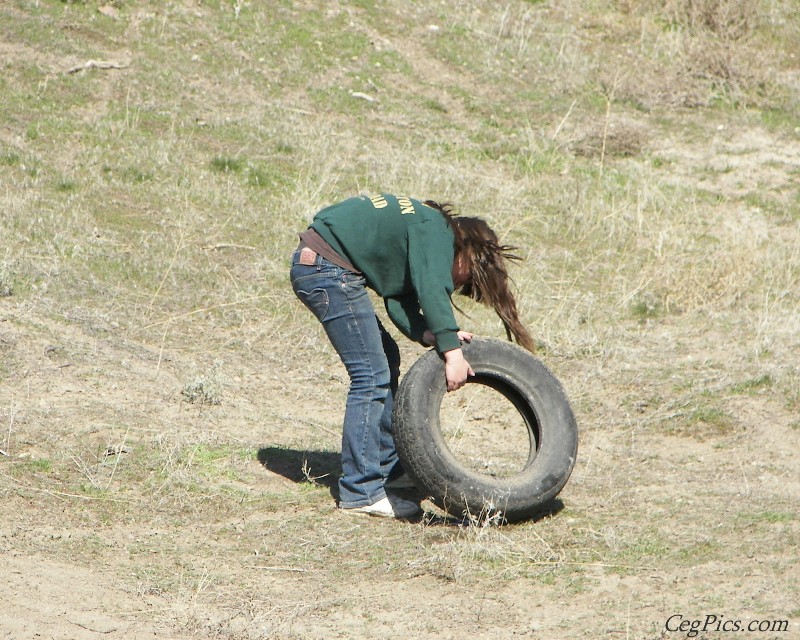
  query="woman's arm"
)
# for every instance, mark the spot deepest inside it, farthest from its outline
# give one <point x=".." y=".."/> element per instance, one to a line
<point x="456" y="367"/>
<point x="429" y="339"/>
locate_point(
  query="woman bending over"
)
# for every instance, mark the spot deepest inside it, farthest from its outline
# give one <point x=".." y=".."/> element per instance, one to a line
<point x="414" y="255"/>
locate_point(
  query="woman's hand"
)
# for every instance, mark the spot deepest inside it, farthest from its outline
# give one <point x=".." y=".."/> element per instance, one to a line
<point x="456" y="369"/>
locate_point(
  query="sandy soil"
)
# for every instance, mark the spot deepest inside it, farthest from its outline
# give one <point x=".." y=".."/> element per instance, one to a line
<point x="86" y="556"/>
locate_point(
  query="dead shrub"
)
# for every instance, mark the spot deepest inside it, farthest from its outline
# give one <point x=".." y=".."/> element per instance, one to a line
<point x="726" y="70"/>
<point x="693" y="283"/>
<point x="6" y="280"/>
<point x="618" y="139"/>
<point x="206" y="388"/>
<point x="728" y="20"/>
<point x="711" y="56"/>
<point x="662" y="85"/>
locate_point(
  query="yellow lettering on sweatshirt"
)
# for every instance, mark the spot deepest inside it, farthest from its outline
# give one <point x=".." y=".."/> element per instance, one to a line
<point x="406" y="206"/>
<point x="379" y="202"/>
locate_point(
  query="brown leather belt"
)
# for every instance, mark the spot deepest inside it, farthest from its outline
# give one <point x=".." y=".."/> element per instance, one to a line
<point x="316" y="244"/>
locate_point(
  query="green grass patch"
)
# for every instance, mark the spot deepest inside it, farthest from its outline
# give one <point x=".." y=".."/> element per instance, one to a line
<point x="66" y="185"/>
<point x="268" y="175"/>
<point x="135" y="175"/>
<point x="765" y="518"/>
<point x="10" y="159"/>
<point x="206" y="455"/>
<point x="771" y="205"/>
<point x="43" y="465"/>
<point x="709" y="420"/>
<point x="646" y="306"/>
<point x="224" y="164"/>
<point x="780" y="119"/>
<point x="754" y="386"/>
<point x="697" y="553"/>
<point x="699" y="417"/>
<point x="772" y="517"/>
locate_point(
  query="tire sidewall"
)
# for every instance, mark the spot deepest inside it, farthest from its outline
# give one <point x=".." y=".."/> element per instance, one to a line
<point x="428" y="459"/>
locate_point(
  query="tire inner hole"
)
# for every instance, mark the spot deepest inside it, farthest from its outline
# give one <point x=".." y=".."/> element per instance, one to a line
<point x="488" y="429"/>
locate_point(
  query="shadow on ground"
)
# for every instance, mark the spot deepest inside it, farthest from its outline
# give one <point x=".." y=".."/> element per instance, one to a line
<point x="318" y="467"/>
<point x="481" y="520"/>
<point x="324" y="467"/>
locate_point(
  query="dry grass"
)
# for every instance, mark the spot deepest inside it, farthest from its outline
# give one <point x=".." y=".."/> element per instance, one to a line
<point x="165" y="396"/>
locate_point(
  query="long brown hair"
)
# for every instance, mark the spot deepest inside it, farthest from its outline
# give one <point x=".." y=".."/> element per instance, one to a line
<point x="478" y="245"/>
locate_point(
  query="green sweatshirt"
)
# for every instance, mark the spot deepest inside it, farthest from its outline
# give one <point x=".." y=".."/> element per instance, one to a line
<point x="405" y="251"/>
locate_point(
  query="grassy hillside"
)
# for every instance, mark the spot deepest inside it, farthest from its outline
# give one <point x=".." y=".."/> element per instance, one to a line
<point x="170" y="414"/>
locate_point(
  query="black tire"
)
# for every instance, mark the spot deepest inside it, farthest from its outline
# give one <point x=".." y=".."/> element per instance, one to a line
<point x="536" y="395"/>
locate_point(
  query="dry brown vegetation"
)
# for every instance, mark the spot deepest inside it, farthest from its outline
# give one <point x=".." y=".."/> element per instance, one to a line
<point x="169" y="414"/>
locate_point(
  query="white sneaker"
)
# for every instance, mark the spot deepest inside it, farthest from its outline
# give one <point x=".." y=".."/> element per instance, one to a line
<point x="388" y="507"/>
<point x="403" y="481"/>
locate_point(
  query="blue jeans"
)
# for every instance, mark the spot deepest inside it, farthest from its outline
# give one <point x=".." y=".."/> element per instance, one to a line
<point x="340" y="301"/>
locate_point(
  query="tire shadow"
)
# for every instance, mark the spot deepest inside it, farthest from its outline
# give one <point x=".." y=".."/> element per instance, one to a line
<point x="322" y="468"/>
<point x="441" y="519"/>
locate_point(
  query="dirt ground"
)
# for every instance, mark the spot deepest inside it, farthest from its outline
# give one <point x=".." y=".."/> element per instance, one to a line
<point x="79" y="390"/>
<point x="64" y="580"/>
<point x="130" y="513"/>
